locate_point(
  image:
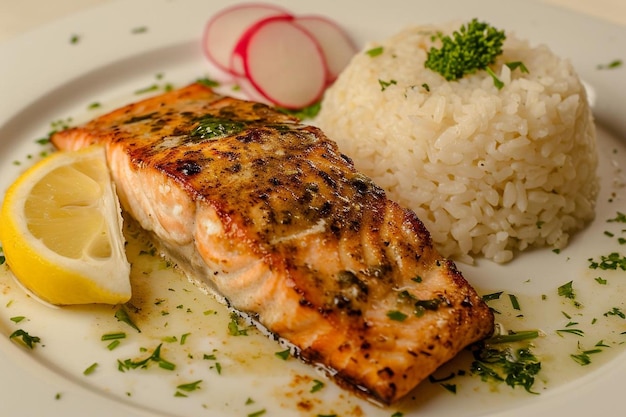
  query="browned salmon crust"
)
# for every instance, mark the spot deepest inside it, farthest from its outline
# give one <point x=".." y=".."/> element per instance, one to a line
<point x="269" y="214"/>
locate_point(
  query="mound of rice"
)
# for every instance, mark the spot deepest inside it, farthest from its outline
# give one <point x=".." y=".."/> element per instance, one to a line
<point x="490" y="172"/>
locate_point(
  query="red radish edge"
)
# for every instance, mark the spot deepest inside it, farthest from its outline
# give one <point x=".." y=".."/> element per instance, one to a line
<point x="337" y="46"/>
<point x="280" y="64"/>
<point x="224" y="30"/>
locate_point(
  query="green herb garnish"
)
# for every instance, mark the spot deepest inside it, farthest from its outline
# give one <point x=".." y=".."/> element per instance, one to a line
<point x="613" y="261"/>
<point x="91" y="369"/>
<point x="396" y="315"/>
<point x="192" y="386"/>
<point x="450" y="387"/>
<point x="576" y="332"/>
<point x="385" y="84"/>
<point x="514" y="302"/>
<point x="514" y="367"/>
<point x="283" y="354"/>
<point x="113" y="336"/>
<point x="308" y="112"/>
<point x="28" y="340"/>
<point x="375" y="51"/>
<point x="317" y="385"/>
<point x="620" y="218"/>
<point x="113" y="344"/>
<point x="139" y="29"/>
<point x="211" y="127"/>
<point x="567" y="290"/>
<point x="154" y="357"/>
<point x="616" y="63"/>
<point x="207" y="82"/>
<point x="473" y="47"/>
<point x="233" y="326"/>
<point x="492" y="296"/>
<point x="615" y="311"/>
<point x="122" y="315"/>
<point x="517" y="64"/>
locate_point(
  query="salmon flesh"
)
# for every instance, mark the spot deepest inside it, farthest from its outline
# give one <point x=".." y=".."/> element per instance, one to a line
<point x="267" y="213"/>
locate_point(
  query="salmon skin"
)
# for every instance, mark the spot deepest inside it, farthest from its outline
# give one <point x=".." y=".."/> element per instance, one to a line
<point x="267" y="213"/>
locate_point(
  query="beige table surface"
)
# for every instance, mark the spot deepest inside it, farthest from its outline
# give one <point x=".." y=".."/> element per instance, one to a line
<point x="18" y="16"/>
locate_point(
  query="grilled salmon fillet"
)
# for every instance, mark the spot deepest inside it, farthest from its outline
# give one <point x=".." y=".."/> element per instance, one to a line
<point x="272" y="217"/>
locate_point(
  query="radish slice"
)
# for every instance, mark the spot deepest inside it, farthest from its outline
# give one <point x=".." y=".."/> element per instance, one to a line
<point x="283" y="62"/>
<point x="226" y="28"/>
<point x="249" y="90"/>
<point x="337" y="46"/>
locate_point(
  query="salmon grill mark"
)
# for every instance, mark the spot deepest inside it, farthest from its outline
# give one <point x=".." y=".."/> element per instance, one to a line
<point x="268" y="213"/>
<point x="141" y="118"/>
<point x="189" y="168"/>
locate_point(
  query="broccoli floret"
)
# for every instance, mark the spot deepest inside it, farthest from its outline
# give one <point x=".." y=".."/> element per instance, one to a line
<point x="473" y="47"/>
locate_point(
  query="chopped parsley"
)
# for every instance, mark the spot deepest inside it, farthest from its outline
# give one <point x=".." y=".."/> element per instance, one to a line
<point x="396" y="315"/>
<point x="149" y="89"/>
<point x="385" y="84"/>
<point x="613" y="261"/>
<point x="374" y="52"/>
<point x="26" y="339"/>
<point x="515" y="367"/>
<point x="189" y="387"/>
<point x="616" y="63"/>
<point x="567" y="290"/>
<point x="514" y="302"/>
<point x="492" y="296"/>
<point x="122" y="315"/>
<point x="576" y="332"/>
<point x="583" y="357"/>
<point x="616" y="311"/>
<point x="154" y="357"/>
<point x="517" y="64"/>
<point x="113" y="336"/>
<point x="450" y="387"/>
<point x="208" y="82"/>
<point x="139" y="29"/>
<point x="233" y="326"/>
<point x="308" y="112"/>
<point x="113" y="344"/>
<point x="317" y="385"/>
<point x="211" y="127"/>
<point x="496" y="81"/>
<point x="90" y="369"/>
<point x="620" y="218"/>
<point x="283" y="354"/>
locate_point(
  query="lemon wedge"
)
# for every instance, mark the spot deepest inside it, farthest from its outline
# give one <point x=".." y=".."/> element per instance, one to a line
<point x="61" y="231"/>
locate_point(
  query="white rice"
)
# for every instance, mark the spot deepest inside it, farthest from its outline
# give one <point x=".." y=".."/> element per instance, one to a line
<point x="489" y="172"/>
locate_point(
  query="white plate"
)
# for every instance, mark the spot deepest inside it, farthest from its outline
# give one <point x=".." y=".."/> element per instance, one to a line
<point x="44" y="77"/>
